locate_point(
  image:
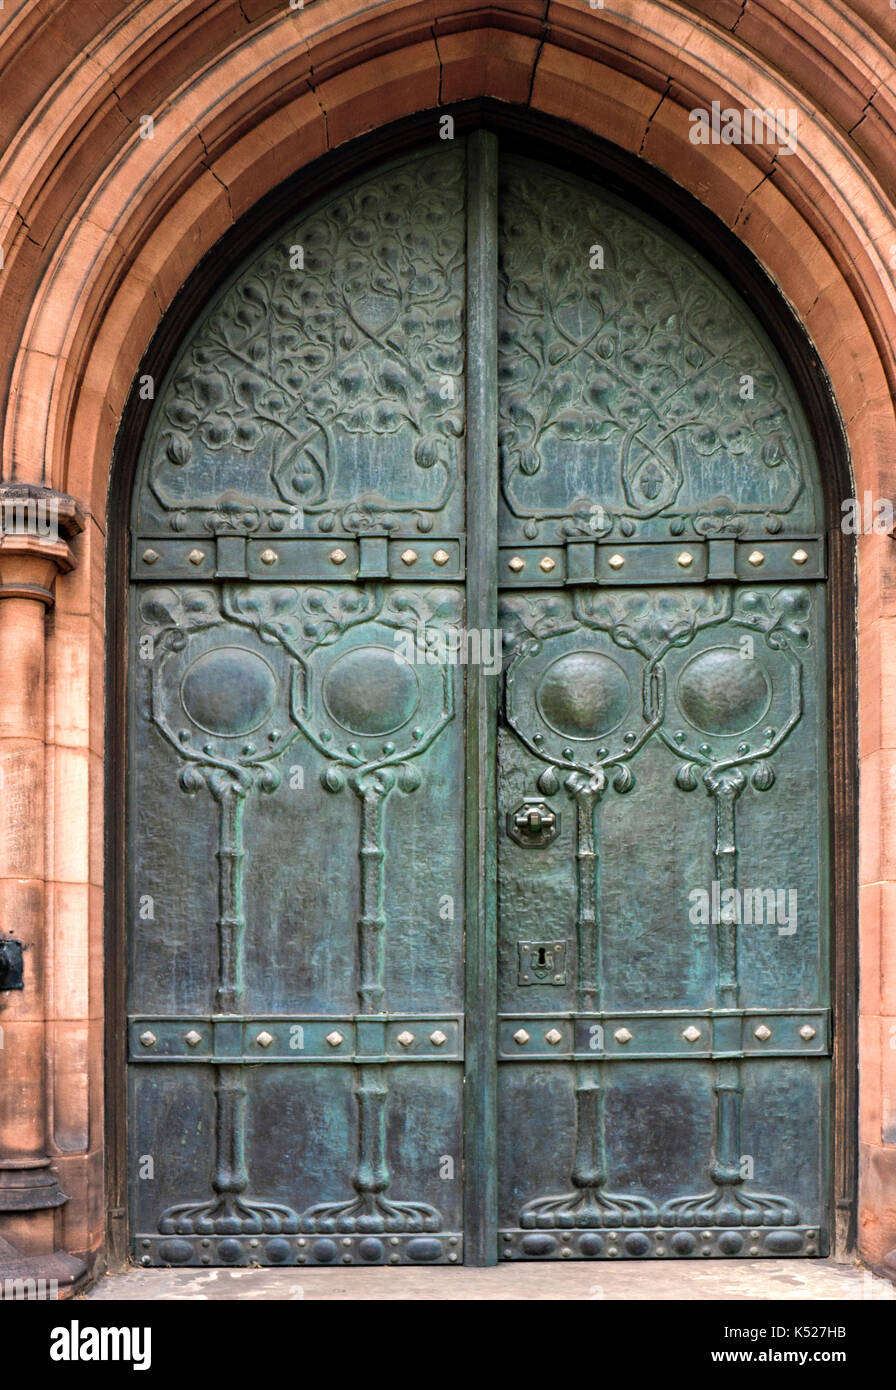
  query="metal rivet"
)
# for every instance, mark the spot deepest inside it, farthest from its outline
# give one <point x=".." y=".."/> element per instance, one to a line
<point x="148" y="1039"/>
<point x="692" y="1033"/>
<point x="452" y="1259"/>
<point x="799" y="557"/>
<point x="150" y="556"/>
<point x="547" y="564"/>
<point x="393" y="1240"/>
<point x="334" y="1038"/>
<point x="338" y="557"/>
<point x="553" y="1037"/>
<point x="516" y="564"/>
<point x="405" y="1038"/>
<point x="616" y="562"/>
<point x="521" y="1037"/>
<point x="762" y="1033"/>
<point x="268" y="557"/>
<point x="301" y="1243"/>
<point x="346" y="1241"/>
<point x="754" y="1249"/>
<point x="192" y="1038"/>
<point x="264" y="1039"/>
<point x="441" y="557"/>
<point x="409" y="557"/>
<point x="196" y="557"/>
<point x="622" y="1035"/>
<point x="807" y="1032"/>
<point x="438" y="1037"/>
<point x="810" y="1249"/>
<point x="145" y="1260"/>
<point x="684" y="559"/>
<point x="756" y="557"/>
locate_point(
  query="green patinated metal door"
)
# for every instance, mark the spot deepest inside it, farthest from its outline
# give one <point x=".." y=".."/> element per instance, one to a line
<point x="431" y="940"/>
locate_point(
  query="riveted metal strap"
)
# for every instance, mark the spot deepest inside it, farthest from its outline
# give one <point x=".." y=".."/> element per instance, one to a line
<point x="711" y="1035"/>
<point x="297" y="558"/>
<point x="302" y="1038"/>
<point x="662" y="562"/>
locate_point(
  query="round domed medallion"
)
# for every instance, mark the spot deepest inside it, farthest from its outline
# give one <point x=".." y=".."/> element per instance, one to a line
<point x="371" y="690"/>
<point x="583" y="695"/>
<point x="228" y="691"/>
<point x="721" y="692"/>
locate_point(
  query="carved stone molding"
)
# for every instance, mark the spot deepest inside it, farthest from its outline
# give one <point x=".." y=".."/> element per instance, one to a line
<point x="37" y="525"/>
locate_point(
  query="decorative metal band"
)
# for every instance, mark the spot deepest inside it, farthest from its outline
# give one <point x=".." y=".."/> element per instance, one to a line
<point x="302" y="1038"/>
<point x="720" y="1242"/>
<point x="713" y="1034"/>
<point x="663" y="562"/>
<point x="297" y="558"/>
<point x="283" y="1250"/>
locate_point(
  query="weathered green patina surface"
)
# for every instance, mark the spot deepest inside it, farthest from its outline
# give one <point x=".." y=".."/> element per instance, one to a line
<point x="422" y="954"/>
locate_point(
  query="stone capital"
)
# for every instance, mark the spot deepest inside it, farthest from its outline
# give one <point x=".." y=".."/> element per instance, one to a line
<point x="37" y="525"/>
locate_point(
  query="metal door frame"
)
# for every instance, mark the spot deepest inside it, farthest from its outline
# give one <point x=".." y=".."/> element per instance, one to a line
<point x="567" y="146"/>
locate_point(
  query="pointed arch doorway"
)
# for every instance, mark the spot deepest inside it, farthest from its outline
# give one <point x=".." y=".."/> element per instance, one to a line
<point x="430" y="961"/>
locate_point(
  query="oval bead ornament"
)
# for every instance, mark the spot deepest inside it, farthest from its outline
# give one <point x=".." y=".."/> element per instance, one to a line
<point x="584" y="695"/>
<point x="228" y="691"/>
<point x="371" y="691"/>
<point x="721" y="693"/>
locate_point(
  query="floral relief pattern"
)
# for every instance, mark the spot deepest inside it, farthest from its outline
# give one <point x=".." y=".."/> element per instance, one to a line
<point x="327" y="380"/>
<point x="632" y="380"/>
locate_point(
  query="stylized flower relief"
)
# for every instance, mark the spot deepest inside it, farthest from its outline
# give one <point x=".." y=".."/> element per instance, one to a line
<point x="781" y="614"/>
<point x="183" y="608"/>
<point x="352" y="322"/>
<point x="658" y="361"/>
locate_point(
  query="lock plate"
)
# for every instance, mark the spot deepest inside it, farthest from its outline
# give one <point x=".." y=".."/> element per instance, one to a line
<point x="542" y="962"/>
<point x="533" y="824"/>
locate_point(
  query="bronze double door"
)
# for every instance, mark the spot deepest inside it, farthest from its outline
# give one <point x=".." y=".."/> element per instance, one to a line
<point x="477" y="881"/>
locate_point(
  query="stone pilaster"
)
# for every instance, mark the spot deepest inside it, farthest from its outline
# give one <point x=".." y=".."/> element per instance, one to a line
<point x="36" y="526"/>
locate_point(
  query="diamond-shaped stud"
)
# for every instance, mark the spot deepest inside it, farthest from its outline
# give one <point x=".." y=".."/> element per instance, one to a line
<point x="335" y="1038"/>
<point x="756" y="557"/>
<point x="762" y="1033"/>
<point x="268" y="557"/>
<point x="264" y="1039"/>
<point x="684" y="559"/>
<point x="807" y="1032"/>
<point x="192" y="1039"/>
<point x="409" y="557"/>
<point x="521" y="1037"/>
<point x="150" y="556"/>
<point x="405" y="1038"/>
<point x="616" y="562"/>
<point x="692" y="1033"/>
<point x="438" y="1038"/>
<point x="553" y="1037"/>
<point x="338" y="557"/>
<point x="148" y="1039"/>
<point x="622" y="1035"/>
<point x="516" y="564"/>
<point x="799" y="557"/>
<point x="441" y="557"/>
<point x="547" y="564"/>
<point x="196" y="557"/>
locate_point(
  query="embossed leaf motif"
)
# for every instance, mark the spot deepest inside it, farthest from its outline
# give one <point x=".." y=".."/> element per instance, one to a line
<point x="686" y="778"/>
<point x="350" y="324"/>
<point x="549" y="782"/>
<point x="640" y="359"/>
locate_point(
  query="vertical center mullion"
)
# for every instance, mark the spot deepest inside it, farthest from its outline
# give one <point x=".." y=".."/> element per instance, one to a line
<point x="480" y="1091"/>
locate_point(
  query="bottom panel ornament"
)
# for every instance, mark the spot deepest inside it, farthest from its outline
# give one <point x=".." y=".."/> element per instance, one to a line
<point x="243" y="1251"/>
<point x="720" y="1242"/>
